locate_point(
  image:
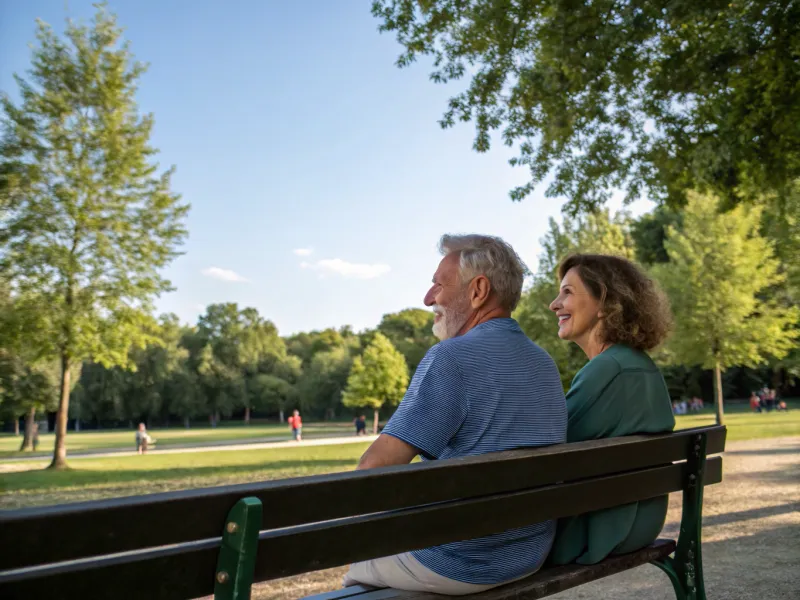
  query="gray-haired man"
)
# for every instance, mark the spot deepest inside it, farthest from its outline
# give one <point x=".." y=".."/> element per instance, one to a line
<point x="485" y="388"/>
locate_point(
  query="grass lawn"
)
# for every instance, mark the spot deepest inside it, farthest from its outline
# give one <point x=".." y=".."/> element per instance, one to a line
<point x="743" y="424"/>
<point x="95" y="440"/>
<point x="92" y="478"/>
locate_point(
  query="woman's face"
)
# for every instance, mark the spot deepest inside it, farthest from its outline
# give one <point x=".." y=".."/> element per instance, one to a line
<point x="577" y="310"/>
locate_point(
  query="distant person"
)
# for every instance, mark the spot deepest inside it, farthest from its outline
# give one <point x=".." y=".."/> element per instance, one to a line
<point x="755" y="402"/>
<point x="143" y="439"/>
<point x="296" y="423"/>
<point x="696" y="404"/>
<point x="781" y="406"/>
<point x="361" y="425"/>
<point x="485" y="387"/>
<point x="766" y="401"/>
<point x="35" y="436"/>
<point x="772" y="396"/>
<point x="616" y="314"/>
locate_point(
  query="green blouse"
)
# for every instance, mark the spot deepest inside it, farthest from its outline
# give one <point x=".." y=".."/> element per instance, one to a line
<point x="618" y="392"/>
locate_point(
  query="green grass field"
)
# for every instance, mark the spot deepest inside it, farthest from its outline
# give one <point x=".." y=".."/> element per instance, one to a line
<point x="169" y="438"/>
<point x="92" y="478"/>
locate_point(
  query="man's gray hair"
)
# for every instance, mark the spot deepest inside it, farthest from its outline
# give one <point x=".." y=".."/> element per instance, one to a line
<point x="490" y="256"/>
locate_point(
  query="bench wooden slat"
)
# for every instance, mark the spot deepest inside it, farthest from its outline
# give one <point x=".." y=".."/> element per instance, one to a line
<point x="548" y="581"/>
<point x="189" y="568"/>
<point x="111" y="526"/>
<point x="348" y="592"/>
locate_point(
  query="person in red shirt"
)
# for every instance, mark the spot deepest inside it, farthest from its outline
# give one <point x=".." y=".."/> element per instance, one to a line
<point x="296" y="423"/>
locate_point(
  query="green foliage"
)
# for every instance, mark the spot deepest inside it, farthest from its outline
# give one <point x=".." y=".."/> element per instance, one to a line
<point x="595" y="232"/>
<point x="608" y="94"/>
<point x="649" y="233"/>
<point x="87" y="221"/>
<point x="411" y="332"/>
<point x="379" y="377"/>
<point x="324" y="381"/>
<point x="721" y="280"/>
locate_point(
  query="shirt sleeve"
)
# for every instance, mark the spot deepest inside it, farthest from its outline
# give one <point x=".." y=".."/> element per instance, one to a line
<point x="434" y="407"/>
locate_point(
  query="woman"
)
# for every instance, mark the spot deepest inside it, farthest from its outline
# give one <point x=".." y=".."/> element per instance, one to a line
<point x="615" y="313"/>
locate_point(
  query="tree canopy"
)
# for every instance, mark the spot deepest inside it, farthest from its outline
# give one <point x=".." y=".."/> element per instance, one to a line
<point x="379" y="377"/>
<point x="642" y="96"/>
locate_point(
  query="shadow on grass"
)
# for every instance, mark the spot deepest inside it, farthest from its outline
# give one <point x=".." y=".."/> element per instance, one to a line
<point x="75" y="477"/>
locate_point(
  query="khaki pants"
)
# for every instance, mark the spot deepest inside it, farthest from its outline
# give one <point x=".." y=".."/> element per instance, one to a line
<point x="404" y="572"/>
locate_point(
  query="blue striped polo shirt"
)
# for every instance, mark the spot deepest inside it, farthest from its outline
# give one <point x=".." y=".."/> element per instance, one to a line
<point x="488" y="390"/>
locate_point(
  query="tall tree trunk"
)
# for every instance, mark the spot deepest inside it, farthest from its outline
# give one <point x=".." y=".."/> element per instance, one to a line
<point x="375" y="423"/>
<point x="186" y="422"/>
<point x="77" y="424"/>
<point x="60" y="452"/>
<point x="16" y="426"/>
<point x="212" y="420"/>
<point x="718" y="394"/>
<point x="247" y="415"/>
<point x="280" y="416"/>
<point x="27" y="440"/>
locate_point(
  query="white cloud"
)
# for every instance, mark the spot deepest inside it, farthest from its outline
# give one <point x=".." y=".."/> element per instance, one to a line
<point x="303" y="251"/>
<point x="224" y="275"/>
<point x="337" y="266"/>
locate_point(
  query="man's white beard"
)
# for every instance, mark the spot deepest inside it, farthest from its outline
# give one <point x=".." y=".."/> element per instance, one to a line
<point x="451" y="322"/>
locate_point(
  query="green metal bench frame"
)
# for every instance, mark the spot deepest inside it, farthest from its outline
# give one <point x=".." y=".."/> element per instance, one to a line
<point x="685" y="568"/>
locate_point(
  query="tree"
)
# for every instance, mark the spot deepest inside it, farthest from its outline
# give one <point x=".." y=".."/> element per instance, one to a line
<point x="411" y="332"/>
<point x="609" y="94"/>
<point x="595" y="232"/>
<point x="324" y="380"/>
<point x="88" y="223"/>
<point x="28" y="377"/>
<point x="156" y="364"/>
<point x="720" y="278"/>
<point x="378" y="377"/>
<point x="236" y="345"/>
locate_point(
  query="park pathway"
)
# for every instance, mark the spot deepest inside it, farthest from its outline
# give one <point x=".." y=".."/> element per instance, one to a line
<point x="225" y="446"/>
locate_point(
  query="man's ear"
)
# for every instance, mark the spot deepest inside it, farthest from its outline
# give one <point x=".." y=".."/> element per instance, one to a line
<point x="479" y="291"/>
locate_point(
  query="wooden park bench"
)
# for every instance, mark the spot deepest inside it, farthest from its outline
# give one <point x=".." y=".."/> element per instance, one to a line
<point x="220" y="540"/>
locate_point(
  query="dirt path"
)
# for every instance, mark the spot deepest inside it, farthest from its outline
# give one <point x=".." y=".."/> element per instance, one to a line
<point x="751" y="529"/>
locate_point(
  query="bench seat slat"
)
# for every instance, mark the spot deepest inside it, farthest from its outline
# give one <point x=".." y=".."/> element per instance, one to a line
<point x="548" y="581"/>
<point x="115" y="525"/>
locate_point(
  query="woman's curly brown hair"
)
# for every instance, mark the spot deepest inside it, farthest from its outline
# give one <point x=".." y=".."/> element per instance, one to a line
<point x="636" y="311"/>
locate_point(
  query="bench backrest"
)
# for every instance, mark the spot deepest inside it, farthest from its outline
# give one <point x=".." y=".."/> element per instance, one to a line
<point x="168" y="544"/>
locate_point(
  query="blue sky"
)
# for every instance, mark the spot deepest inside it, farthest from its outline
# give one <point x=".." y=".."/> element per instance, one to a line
<point x="318" y="176"/>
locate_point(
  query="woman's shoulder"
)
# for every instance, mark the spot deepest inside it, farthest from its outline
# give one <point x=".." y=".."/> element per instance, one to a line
<point x="630" y="359"/>
<point x="609" y="365"/>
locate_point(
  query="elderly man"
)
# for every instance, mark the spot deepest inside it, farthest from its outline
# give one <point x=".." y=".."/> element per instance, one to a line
<point x="486" y="387"/>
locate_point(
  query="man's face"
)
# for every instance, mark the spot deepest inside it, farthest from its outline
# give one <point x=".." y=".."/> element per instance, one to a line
<point x="449" y="299"/>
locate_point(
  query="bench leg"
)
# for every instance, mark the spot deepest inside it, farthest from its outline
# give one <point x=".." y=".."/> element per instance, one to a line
<point x="237" y="556"/>
<point x="685" y="568"/>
